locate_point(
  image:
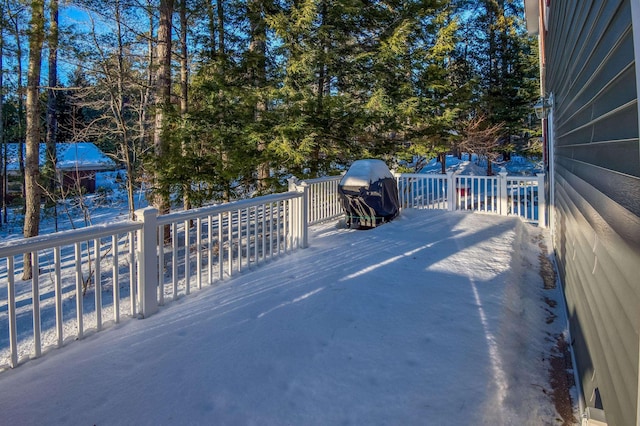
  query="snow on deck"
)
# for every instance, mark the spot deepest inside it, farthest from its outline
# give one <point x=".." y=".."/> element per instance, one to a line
<point x="435" y="318"/>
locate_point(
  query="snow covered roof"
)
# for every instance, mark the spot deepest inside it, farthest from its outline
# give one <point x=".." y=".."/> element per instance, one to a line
<point x="71" y="156"/>
<point x="363" y="172"/>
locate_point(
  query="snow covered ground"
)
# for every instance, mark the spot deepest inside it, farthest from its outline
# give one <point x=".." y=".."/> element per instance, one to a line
<point x="437" y="318"/>
<point x="469" y="165"/>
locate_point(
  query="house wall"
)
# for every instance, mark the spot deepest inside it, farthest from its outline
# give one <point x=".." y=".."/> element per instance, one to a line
<point x="79" y="180"/>
<point x="590" y="72"/>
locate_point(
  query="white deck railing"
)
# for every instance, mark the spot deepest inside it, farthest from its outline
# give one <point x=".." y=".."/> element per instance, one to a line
<point x="501" y="194"/>
<point x="65" y="264"/>
<point x="323" y="202"/>
<point x="208" y="244"/>
<point x="87" y="278"/>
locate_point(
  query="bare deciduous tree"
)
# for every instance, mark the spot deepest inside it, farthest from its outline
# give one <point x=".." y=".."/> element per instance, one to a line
<point x="119" y="98"/>
<point x="482" y="138"/>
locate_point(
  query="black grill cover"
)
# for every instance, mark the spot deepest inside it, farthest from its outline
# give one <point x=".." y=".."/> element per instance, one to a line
<point x="369" y="194"/>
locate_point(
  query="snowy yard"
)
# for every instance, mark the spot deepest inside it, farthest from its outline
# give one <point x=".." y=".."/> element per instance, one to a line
<point x="437" y="318"/>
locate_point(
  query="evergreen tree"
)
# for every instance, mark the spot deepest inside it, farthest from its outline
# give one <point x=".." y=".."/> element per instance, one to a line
<point x="3" y="147"/>
<point x="505" y="58"/>
<point x="32" y="164"/>
<point x="49" y="171"/>
<point x="161" y="137"/>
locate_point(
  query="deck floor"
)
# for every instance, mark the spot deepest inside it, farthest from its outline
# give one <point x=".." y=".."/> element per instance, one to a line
<point x="435" y="318"/>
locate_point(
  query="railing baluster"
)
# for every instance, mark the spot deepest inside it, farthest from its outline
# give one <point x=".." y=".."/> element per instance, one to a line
<point x="271" y="220"/>
<point x="79" y="313"/>
<point x="210" y="249"/>
<point x="264" y="232"/>
<point x="248" y="228"/>
<point x="13" y="329"/>
<point x="220" y="248"/>
<point x="132" y="272"/>
<point x="187" y="258"/>
<point x="199" y="253"/>
<point x="35" y="297"/>
<point x="115" y="279"/>
<point x="161" y="269"/>
<point x="286" y="225"/>
<point x="174" y="259"/>
<point x="57" y="283"/>
<point x="230" y="242"/>
<point x="97" y="287"/>
<point x="279" y="225"/>
<point x="239" y="226"/>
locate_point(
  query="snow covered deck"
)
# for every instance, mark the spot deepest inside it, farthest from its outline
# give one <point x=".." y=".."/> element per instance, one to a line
<point x="435" y="318"/>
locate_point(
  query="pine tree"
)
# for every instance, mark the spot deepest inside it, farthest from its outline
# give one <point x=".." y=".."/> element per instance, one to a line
<point x="413" y="78"/>
<point x="257" y="70"/>
<point x="32" y="164"/>
<point x="505" y="58"/>
<point x="161" y="139"/>
<point x="49" y="171"/>
<point x="3" y="150"/>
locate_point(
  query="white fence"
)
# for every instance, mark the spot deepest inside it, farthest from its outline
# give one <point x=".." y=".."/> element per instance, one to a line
<point x="504" y="195"/>
<point x="323" y="202"/>
<point x="521" y="196"/>
<point x="89" y="278"/>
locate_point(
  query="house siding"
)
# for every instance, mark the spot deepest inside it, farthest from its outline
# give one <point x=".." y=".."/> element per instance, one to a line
<point x="591" y="73"/>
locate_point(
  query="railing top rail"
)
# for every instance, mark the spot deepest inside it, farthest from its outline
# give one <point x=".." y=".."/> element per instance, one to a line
<point x="524" y="178"/>
<point x="62" y="238"/>
<point x="459" y="175"/>
<point x="322" y="179"/>
<point x="420" y="176"/>
<point x="223" y="208"/>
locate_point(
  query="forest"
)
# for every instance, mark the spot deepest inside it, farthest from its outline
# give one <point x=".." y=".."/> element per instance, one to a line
<point x="204" y="101"/>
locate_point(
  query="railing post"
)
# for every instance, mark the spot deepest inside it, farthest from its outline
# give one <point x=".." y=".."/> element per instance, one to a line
<point x="451" y="191"/>
<point x="542" y="201"/>
<point x="304" y="213"/>
<point x="503" y="201"/>
<point x="399" y="185"/>
<point x="293" y="183"/>
<point x="148" y="261"/>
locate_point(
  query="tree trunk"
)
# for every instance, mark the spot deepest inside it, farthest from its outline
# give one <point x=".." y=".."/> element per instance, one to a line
<point x="146" y="92"/>
<point x="52" y="121"/>
<point x="211" y="26"/>
<point x="221" y="47"/>
<point x="20" y="92"/>
<point x="321" y="87"/>
<point x="32" y="168"/>
<point x="3" y="149"/>
<point x="162" y="104"/>
<point x="126" y="145"/>
<point x="145" y="99"/>
<point x="221" y="68"/>
<point x="184" y="93"/>
<point x="258" y="51"/>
